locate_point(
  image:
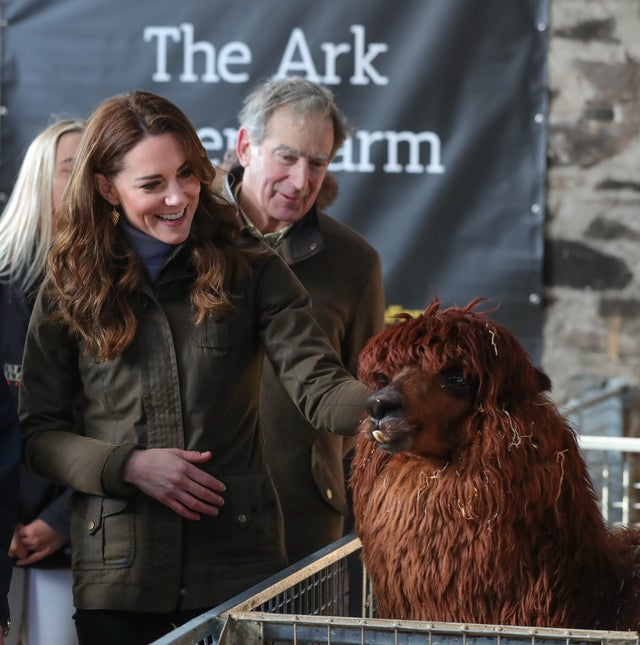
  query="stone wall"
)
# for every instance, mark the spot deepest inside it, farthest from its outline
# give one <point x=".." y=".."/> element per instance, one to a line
<point x="592" y="263"/>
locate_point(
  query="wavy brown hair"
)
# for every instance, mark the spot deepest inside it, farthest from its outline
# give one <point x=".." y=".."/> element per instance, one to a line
<point x="93" y="272"/>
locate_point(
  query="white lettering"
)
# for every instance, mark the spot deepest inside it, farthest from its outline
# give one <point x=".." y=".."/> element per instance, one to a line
<point x="297" y="46"/>
<point x="233" y="53"/>
<point x="414" y="139"/>
<point x="331" y="53"/>
<point x="216" y="68"/>
<point x="297" y="57"/>
<point x="217" y="141"/>
<point x="345" y="161"/>
<point x="363" y="70"/>
<point x="162" y="33"/>
<point x="367" y="139"/>
<point x="189" y="50"/>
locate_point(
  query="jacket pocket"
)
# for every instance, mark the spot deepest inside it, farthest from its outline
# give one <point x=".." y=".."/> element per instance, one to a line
<point x="103" y="533"/>
<point x="212" y="334"/>
<point x="249" y="526"/>
<point x="112" y="386"/>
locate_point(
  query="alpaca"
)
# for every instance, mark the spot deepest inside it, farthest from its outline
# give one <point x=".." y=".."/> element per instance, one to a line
<point x="471" y="497"/>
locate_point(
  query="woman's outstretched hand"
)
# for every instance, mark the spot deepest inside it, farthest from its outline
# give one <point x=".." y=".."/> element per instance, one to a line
<point x="173" y="477"/>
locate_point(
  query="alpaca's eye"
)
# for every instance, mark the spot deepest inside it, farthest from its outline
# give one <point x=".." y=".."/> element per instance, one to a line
<point x="454" y="379"/>
<point x="380" y="380"/>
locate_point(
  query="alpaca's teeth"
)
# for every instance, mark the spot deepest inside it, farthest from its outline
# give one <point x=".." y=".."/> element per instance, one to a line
<point x="378" y="436"/>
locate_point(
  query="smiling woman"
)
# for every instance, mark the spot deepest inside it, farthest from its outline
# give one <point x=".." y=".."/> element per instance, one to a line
<point x="160" y="319"/>
<point x="156" y="188"/>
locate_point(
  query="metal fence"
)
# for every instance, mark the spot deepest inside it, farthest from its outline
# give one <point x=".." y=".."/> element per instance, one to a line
<point x="311" y="601"/>
<point x="613" y="457"/>
<point x="306" y="604"/>
<point x="243" y="629"/>
<point x="316" y="586"/>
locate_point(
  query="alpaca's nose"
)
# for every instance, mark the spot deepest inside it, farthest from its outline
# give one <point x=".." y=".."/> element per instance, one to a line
<point x="382" y="402"/>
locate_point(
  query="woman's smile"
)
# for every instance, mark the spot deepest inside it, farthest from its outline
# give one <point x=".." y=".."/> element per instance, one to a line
<point x="156" y="177"/>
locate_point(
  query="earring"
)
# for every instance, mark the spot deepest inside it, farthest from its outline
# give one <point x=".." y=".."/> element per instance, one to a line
<point x="115" y="215"/>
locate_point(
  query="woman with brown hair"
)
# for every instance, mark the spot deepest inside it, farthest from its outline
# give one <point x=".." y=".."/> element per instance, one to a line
<point x="159" y="309"/>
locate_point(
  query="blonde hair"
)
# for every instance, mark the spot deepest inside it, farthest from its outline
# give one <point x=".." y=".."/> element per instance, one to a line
<point x="26" y="222"/>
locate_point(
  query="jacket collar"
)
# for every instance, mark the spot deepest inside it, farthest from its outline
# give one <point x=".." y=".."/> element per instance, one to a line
<point x="303" y="240"/>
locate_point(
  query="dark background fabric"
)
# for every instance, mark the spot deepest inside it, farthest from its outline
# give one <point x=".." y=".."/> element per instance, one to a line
<point x="458" y="213"/>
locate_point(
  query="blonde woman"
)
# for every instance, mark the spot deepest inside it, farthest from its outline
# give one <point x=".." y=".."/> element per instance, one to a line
<point x="40" y="597"/>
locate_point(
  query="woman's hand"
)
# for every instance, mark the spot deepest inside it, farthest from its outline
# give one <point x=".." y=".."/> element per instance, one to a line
<point x="173" y="478"/>
<point x="34" y="542"/>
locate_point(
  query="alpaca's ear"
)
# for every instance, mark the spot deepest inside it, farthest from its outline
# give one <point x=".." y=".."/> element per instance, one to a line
<point x="544" y="382"/>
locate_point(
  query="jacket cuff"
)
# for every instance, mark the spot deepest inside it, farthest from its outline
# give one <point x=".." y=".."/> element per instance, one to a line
<point x="112" y="472"/>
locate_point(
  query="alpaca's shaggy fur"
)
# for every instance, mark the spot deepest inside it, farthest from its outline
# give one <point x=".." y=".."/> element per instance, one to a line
<point x="471" y="497"/>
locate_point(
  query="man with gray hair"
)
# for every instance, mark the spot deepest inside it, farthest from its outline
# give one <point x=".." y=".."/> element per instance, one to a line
<point x="290" y="130"/>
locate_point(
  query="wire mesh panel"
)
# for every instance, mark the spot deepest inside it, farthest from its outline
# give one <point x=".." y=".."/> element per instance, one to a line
<point x="317" y="585"/>
<point x="255" y="627"/>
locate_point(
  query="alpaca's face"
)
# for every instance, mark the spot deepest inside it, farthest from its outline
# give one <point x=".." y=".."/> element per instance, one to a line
<point x="418" y="412"/>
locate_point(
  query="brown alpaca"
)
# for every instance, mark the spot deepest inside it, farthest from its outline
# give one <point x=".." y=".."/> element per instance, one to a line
<point x="471" y="497"/>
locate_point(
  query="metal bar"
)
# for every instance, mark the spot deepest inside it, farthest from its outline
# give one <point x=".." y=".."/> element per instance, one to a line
<point x="613" y="444"/>
<point x="346" y="630"/>
<point x="592" y="400"/>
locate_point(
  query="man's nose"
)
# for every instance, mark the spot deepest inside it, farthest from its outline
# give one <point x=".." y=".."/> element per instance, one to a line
<point x="299" y="175"/>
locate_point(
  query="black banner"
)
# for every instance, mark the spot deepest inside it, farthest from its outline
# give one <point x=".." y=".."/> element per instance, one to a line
<point x="445" y="171"/>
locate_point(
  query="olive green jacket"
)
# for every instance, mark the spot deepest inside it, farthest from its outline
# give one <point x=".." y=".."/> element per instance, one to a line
<point x="185" y="386"/>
